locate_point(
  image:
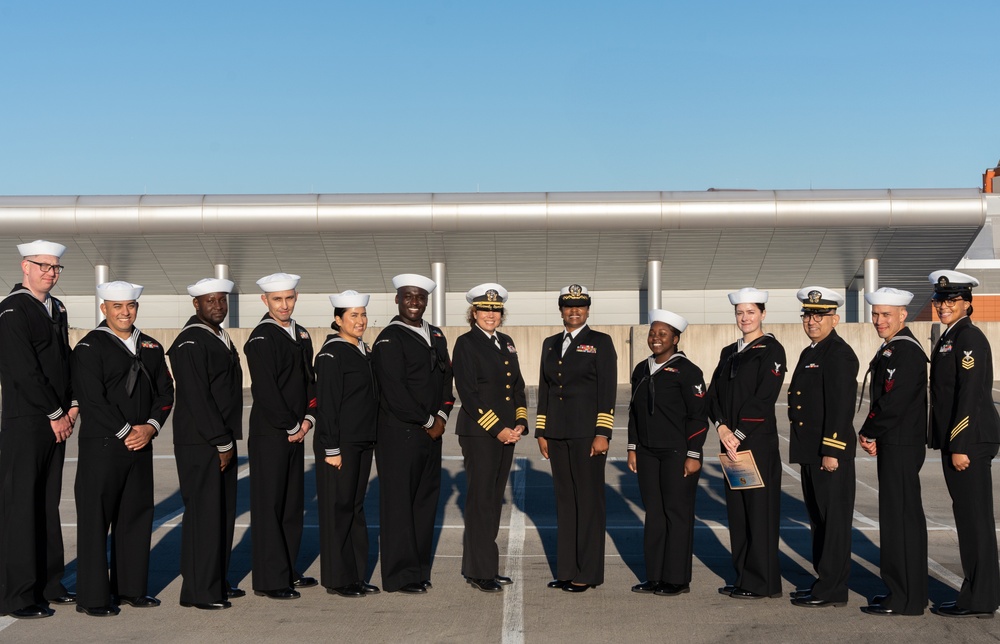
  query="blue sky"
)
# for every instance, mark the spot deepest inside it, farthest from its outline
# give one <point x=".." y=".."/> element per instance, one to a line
<point x="104" y="97"/>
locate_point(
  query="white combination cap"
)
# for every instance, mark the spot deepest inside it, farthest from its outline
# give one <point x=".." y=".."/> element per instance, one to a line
<point x="41" y="247"/>
<point x="412" y="279"/>
<point x="489" y="295"/>
<point x="674" y="320"/>
<point x="210" y="285"/>
<point x="119" y="291"/>
<point x="886" y="296"/>
<point x="278" y="282"/>
<point x="748" y="295"/>
<point x="349" y="300"/>
<point x="819" y="298"/>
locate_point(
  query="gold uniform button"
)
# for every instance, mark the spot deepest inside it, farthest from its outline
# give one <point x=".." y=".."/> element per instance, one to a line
<point x="506" y="362"/>
<point x="798" y="406"/>
<point x="798" y="393"/>
<point x="508" y="386"/>
<point x="508" y="373"/>
<point x="560" y="362"/>
<point x="800" y="424"/>
<point x="507" y="398"/>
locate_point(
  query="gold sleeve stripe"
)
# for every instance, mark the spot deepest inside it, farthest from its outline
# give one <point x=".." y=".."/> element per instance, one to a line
<point x="521" y="412"/>
<point x="602" y="416"/>
<point x="489" y="419"/>
<point x="605" y="423"/>
<point x="962" y="424"/>
<point x="829" y="442"/>
<point x="540" y="422"/>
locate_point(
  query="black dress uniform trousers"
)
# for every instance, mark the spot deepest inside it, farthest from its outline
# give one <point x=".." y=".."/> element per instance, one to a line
<point x="408" y="504"/>
<point x="578" y="480"/>
<point x="209" y="520"/>
<point x="972" y="503"/>
<point x="668" y="497"/>
<point x="829" y="500"/>
<point x="114" y="490"/>
<point x="31" y="545"/>
<point x="487" y="467"/>
<point x="903" y="553"/>
<point x="276" y="501"/>
<point x="343" y="529"/>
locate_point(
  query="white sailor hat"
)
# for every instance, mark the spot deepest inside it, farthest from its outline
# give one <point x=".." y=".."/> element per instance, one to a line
<point x="819" y="299"/>
<point x="119" y="291"/>
<point x="886" y="296"/>
<point x="949" y="284"/>
<point x="674" y="320"/>
<point x="412" y="279"/>
<point x="41" y="247"/>
<point x="278" y="282"/>
<point x="747" y="295"/>
<point x="574" y="295"/>
<point x="349" y="300"/>
<point x="210" y="285"/>
<point x="487" y="296"/>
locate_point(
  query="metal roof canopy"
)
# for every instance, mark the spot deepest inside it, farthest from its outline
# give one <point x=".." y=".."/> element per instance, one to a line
<point x="526" y="241"/>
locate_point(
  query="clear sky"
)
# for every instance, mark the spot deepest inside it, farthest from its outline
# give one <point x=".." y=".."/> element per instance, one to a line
<point x="130" y="97"/>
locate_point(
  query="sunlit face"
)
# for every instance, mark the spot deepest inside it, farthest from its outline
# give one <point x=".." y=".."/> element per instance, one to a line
<point x="818" y="326"/>
<point x="120" y="315"/>
<point x="488" y="320"/>
<point x="212" y="309"/>
<point x="281" y="304"/>
<point x="574" y="317"/>
<point x="888" y="320"/>
<point x="951" y="311"/>
<point x="353" y="323"/>
<point x="749" y="317"/>
<point x="35" y="279"/>
<point x="662" y="339"/>
<point x="412" y="302"/>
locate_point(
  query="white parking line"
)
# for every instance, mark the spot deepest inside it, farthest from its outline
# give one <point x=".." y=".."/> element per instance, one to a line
<point x="513" y="604"/>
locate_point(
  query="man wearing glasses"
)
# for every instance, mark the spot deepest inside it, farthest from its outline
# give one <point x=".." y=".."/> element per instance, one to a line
<point x="821" y="409"/>
<point x="966" y="428"/>
<point x="38" y="416"/>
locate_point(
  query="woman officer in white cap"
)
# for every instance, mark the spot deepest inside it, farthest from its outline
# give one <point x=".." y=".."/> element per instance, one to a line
<point x="493" y="417"/>
<point x="744" y="389"/>
<point x="344" y="443"/>
<point x="966" y="428"/>
<point x="667" y="424"/>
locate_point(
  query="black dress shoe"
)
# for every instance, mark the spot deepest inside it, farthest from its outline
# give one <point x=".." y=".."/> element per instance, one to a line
<point x="740" y="593"/>
<point x="234" y="592"/>
<point x="646" y="587"/>
<point x="144" y="601"/>
<point x="877" y="609"/>
<point x="31" y="612"/>
<point x="950" y="604"/>
<point x="304" y="582"/>
<point x="426" y="584"/>
<point x="955" y="611"/>
<point x="280" y="593"/>
<point x="68" y="598"/>
<point x="570" y="587"/>
<point x="800" y="592"/>
<point x="810" y="601"/>
<point x="485" y="585"/>
<point x="209" y="606"/>
<point x="100" y="611"/>
<point x="350" y="590"/>
<point x="415" y="588"/>
<point x="558" y="583"/>
<point x="669" y="590"/>
<point x="503" y="581"/>
<point x="727" y="589"/>
<point x="878" y="599"/>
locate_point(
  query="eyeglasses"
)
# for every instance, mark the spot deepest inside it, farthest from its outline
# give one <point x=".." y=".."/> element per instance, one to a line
<point x="817" y="317"/>
<point x="949" y="303"/>
<point x="45" y="268"/>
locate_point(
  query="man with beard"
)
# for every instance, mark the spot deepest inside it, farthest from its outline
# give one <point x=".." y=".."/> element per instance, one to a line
<point x="207" y="424"/>
<point x="121" y="380"/>
<point x="279" y="354"/>
<point x="38" y="416"/>
<point x="413" y="369"/>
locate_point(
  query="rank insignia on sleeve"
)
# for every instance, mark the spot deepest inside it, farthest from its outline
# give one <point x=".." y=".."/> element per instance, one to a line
<point x="889" y="381"/>
<point x="699" y="391"/>
<point x="777" y="369"/>
<point x="968" y="362"/>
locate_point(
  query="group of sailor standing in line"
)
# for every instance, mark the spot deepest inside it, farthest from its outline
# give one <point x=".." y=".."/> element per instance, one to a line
<point x="391" y="403"/>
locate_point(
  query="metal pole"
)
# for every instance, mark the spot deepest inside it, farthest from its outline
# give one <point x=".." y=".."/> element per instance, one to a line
<point x="654" y="291"/>
<point x="871" y="285"/>
<point x="233" y="318"/>
<point x="438" y="299"/>
<point x="102" y="274"/>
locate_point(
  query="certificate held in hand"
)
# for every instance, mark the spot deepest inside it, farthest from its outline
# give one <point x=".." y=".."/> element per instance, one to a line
<point x="741" y="474"/>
